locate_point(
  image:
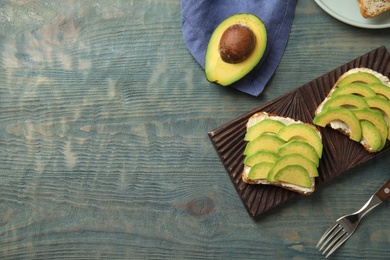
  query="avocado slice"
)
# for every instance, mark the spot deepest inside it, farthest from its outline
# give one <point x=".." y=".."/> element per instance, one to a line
<point x="355" y="88"/>
<point x="235" y="48"/>
<point x="269" y="142"/>
<point x="371" y="135"/>
<point x="362" y="77"/>
<point x="264" y="126"/>
<point x="376" y="118"/>
<point x="381" y="90"/>
<point x="260" y="170"/>
<point x="346" y="100"/>
<point x="292" y="159"/>
<point x="261" y="156"/>
<point x="294" y="174"/>
<point x="299" y="147"/>
<point x="383" y="106"/>
<point x="344" y="115"/>
<point x="302" y="132"/>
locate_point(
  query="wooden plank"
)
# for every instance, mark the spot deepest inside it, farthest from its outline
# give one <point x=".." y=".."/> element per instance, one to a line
<point x="104" y="150"/>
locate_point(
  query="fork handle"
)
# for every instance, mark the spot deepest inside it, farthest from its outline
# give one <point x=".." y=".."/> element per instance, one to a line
<point x="384" y="192"/>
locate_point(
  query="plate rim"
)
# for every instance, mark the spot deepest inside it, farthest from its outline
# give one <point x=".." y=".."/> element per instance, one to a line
<point x="345" y="20"/>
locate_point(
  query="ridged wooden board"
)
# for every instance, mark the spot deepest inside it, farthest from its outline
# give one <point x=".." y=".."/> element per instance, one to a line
<point x="340" y="153"/>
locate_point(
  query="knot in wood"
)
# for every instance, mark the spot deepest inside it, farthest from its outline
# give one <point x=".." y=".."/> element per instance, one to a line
<point x="200" y="206"/>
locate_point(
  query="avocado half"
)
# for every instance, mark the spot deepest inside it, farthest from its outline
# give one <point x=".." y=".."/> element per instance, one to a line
<point x="225" y="73"/>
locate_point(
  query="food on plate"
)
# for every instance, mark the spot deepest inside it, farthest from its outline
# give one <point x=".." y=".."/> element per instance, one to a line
<point x="236" y="46"/>
<point x="381" y="90"/>
<point x="302" y="132"/>
<point x="266" y="141"/>
<point x="281" y="151"/>
<point x="347" y="100"/>
<point x="294" y="174"/>
<point x="355" y="88"/>
<point x="373" y="8"/>
<point x="266" y="125"/>
<point x="260" y="170"/>
<point x="365" y="77"/>
<point x="358" y="105"/>
<point x="371" y="134"/>
<point x="382" y="105"/>
<point x="299" y="147"/>
<point x="292" y="159"/>
<point x="342" y="119"/>
<point x="376" y="118"/>
<point x="261" y="156"/>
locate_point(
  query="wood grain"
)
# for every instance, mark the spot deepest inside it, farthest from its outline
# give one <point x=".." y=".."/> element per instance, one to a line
<point x="104" y="152"/>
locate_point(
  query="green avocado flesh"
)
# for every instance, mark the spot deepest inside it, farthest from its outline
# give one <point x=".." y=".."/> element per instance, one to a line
<point x="359" y="106"/>
<point x="360" y="77"/>
<point x="260" y="170"/>
<point x="340" y="114"/>
<point x="355" y="89"/>
<point x="261" y="156"/>
<point x="372" y="135"/>
<point x="302" y="132"/>
<point x="264" y="126"/>
<point x="292" y="159"/>
<point x="376" y="119"/>
<point x="274" y="146"/>
<point x="299" y="147"/>
<point x="294" y="174"/>
<point x="265" y="141"/>
<point x="380" y="90"/>
<point x="346" y="100"/>
<point x="383" y="106"/>
<point x="224" y="73"/>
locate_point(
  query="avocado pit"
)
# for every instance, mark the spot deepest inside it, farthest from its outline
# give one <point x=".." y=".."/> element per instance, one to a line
<point x="237" y="43"/>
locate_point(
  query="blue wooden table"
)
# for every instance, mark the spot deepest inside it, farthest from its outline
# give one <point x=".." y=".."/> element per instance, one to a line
<point x="104" y="152"/>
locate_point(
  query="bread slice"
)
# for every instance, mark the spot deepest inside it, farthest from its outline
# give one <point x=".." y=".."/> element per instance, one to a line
<point x="373" y="8"/>
<point x="286" y="120"/>
<point x="340" y="126"/>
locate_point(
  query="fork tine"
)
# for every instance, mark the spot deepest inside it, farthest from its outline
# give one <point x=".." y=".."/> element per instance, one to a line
<point x="325" y="235"/>
<point x="330" y="236"/>
<point x="330" y="240"/>
<point x="334" y="240"/>
<point x="338" y="244"/>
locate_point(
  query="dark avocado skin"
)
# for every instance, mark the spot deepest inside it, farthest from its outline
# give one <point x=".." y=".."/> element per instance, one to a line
<point x="224" y="73"/>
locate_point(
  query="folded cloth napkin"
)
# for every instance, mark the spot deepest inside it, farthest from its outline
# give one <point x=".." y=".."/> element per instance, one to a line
<point x="201" y="17"/>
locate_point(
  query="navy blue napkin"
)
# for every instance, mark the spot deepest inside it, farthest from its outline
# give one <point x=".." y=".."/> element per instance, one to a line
<point x="201" y="17"/>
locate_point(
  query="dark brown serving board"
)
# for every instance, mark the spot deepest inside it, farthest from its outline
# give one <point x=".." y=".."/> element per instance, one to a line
<point x="339" y="155"/>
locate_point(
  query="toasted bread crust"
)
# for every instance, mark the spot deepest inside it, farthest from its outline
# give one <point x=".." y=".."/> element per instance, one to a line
<point x="373" y="8"/>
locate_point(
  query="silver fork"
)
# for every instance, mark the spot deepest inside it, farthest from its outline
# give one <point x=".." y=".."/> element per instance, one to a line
<point x="340" y="231"/>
